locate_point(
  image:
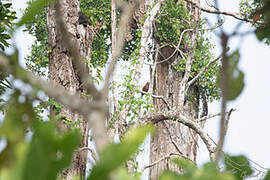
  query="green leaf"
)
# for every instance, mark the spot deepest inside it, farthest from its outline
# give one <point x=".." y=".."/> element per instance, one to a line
<point x="49" y="152"/>
<point x="32" y="10"/>
<point x="169" y="175"/>
<point x="267" y="177"/>
<point x="238" y="165"/>
<point x="116" y="154"/>
<point x="122" y="174"/>
<point x="235" y="77"/>
<point x="184" y="163"/>
<point x="190" y="172"/>
<point x="262" y="33"/>
<point x="18" y="118"/>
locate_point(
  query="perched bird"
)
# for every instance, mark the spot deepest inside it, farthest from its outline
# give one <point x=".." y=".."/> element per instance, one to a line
<point x="256" y="17"/>
<point x="145" y="88"/>
<point x="83" y="19"/>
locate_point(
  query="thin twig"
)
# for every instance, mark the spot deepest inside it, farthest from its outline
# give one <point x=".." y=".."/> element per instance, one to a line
<point x="158" y="97"/>
<point x="212" y="116"/>
<point x="93" y="154"/>
<point x="172" y="141"/>
<point x="232" y="14"/>
<point x="161" y="159"/>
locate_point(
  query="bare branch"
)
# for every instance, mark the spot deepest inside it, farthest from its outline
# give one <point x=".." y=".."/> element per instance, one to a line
<point x="161" y="159"/>
<point x="232" y="14"/>
<point x="158" y="97"/>
<point x="212" y="116"/>
<point x="204" y="136"/>
<point x="93" y="154"/>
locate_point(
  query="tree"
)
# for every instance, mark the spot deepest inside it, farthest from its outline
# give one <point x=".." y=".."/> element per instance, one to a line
<point x="65" y="72"/>
<point x="183" y="76"/>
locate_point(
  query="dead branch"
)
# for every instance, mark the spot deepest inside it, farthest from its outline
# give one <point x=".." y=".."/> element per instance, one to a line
<point x="212" y="116"/>
<point x="180" y="40"/>
<point x="72" y="101"/>
<point x="93" y="154"/>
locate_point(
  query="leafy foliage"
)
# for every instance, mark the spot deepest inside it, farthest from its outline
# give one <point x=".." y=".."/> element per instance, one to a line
<point x="6" y="21"/>
<point x="191" y="172"/>
<point x="32" y="10"/>
<point x="258" y="10"/>
<point x="42" y="155"/>
<point x="235" y="77"/>
<point x="99" y="13"/>
<point x="7" y="16"/>
<point x="38" y="60"/>
<point x="54" y="150"/>
<point x="171" y="24"/>
<point x="116" y="154"/>
<point x="238" y="165"/>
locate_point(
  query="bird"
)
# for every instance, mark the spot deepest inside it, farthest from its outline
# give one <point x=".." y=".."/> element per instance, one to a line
<point x="145" y="88"/>
<point x="256" y="17"/>
<point x="83" y="19"/>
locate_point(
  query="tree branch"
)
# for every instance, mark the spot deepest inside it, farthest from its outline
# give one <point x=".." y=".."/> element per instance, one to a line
<point x="146" y="33"/>
<point x="158" y="97"/>
<point x="212" y="116"/>
<point x="161" y="159"/>
<point x="232" y="14"/>
<point x="72" y="101"/>
<point x="122" y="31"/>
<point x="191" y="124"/>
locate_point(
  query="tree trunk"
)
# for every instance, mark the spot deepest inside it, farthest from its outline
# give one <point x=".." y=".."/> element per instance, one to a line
<point x="62" y="72"/>
<point x="172" y="138"/>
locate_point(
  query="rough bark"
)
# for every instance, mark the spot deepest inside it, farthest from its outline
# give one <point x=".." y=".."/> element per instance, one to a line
<point x="62" y="72"/>
<point x="172" y="137"/>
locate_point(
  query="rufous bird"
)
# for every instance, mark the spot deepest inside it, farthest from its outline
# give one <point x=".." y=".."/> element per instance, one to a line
<point x="145" y="88"/>
<point x="256" y="17"/>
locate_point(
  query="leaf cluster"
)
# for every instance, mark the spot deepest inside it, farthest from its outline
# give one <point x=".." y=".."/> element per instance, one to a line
<point x="33" y="149"/>
<point x="235" y="168"/>
<point x="7" y="16"/>
<point x="260" y="8"/>
<point x="171" y="22"/>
